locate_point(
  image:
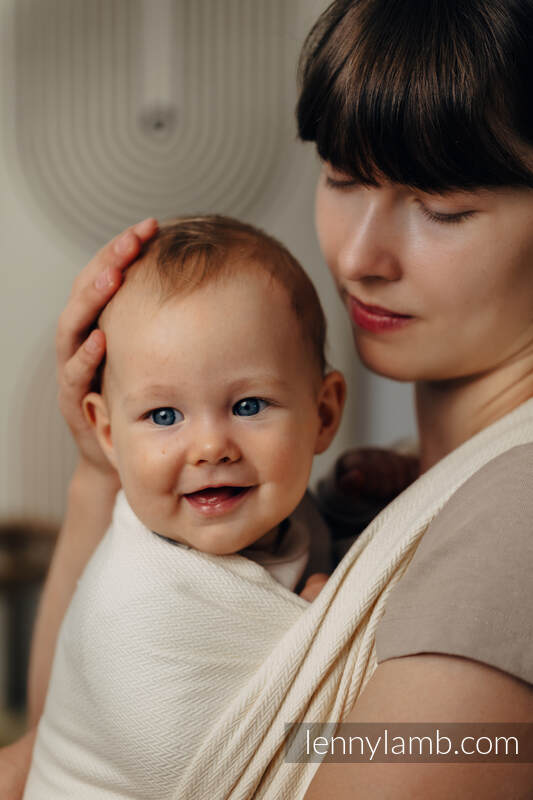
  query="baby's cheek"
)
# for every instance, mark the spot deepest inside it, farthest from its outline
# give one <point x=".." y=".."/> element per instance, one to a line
<point x="153" y="468"/>
<point x="292" y="462"/>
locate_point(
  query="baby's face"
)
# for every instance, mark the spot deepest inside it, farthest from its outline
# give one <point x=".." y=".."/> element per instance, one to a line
<point x="213" y="410"/>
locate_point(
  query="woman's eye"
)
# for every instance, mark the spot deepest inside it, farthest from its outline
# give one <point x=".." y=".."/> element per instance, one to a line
<point x="445" y="219"/>
<point x="165" y="416"/>
<point x="249" y="407"/>
<point x="335" y="179"/>
<point x="340" y="182"/>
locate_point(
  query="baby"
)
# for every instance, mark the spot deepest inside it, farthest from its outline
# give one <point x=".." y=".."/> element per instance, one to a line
<point x="213" y="401"/>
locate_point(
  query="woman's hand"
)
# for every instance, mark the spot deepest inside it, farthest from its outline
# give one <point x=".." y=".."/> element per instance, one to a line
<point x="15" y="762"/>
<point x="79" y="354"/>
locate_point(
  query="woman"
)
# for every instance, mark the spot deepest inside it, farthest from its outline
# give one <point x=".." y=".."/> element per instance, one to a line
<point x="421" y="114"/>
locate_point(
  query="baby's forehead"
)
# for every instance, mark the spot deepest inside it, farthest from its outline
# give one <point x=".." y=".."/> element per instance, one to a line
<point x="132" y="296"/>
<point x="143" y="295"/>
<point x="151" y="336"/>
<point x="244" y="299"/>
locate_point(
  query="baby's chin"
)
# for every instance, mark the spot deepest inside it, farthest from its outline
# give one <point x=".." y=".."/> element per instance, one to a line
<point x="218" y="526"/>
<point x="215" y="544"/>
<point x="221" y="539"/>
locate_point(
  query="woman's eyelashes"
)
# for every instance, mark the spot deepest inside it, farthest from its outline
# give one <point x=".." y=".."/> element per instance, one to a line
<point x="165" y="416"/>
<point x="445" y="218"/>
<point x="249" y="406"/>
<point x="340" y="182"/>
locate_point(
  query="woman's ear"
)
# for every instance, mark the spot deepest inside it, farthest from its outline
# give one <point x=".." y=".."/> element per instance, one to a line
<point x="330" y="405"/>
<point x="97" y="415"/>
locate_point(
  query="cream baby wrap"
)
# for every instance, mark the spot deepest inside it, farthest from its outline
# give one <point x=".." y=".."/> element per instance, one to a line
<point x="156" y="643"/>
<point x="316" y="661"/>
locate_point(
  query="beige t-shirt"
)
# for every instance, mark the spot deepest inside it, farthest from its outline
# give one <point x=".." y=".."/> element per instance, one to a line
<point x="469" y="589"/>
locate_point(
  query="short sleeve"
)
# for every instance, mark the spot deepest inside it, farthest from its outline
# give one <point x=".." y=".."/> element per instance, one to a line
<point x="468" y="590"/>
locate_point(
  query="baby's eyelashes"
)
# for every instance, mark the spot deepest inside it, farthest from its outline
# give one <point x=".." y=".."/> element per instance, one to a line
<point x="165" y="416"/>
<point x="168" y="415"/>
<point x="249" y="406"/>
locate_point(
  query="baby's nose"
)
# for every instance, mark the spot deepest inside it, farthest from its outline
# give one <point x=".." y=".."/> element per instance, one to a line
<point x="212" y="446"/>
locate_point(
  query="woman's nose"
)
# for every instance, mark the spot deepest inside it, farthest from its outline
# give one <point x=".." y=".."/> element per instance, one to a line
<point x="212" y="444"/>
<point x="370" y="246"/>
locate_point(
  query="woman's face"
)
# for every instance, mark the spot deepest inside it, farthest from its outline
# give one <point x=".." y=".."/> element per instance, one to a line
<point x="454" y="272"/>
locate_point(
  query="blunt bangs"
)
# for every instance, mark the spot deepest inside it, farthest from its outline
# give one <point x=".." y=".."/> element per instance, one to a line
<point x="434" y="94"/>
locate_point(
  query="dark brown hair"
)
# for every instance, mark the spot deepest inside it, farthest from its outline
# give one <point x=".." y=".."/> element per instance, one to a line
<point x="190" y="252"/>
<point x="435" y="94"/>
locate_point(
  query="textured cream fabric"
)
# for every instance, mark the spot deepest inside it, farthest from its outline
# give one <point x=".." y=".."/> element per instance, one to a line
<point x="316" y="661"/>
<point x="157" y="642"/>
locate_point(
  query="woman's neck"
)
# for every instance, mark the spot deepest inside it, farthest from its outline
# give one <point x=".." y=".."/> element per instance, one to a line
<point x="450" y="412"/>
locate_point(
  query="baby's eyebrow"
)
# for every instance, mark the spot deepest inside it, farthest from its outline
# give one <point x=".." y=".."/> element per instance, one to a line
<point x="257" y="381"/>
<point x="154" y="390"/>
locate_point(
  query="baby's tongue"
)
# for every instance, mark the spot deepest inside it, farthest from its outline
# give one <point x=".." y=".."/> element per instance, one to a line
<point x="215" y="495"/>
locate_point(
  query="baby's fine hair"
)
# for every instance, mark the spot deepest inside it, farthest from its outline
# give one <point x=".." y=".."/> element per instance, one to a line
<point x="190" y="252"/>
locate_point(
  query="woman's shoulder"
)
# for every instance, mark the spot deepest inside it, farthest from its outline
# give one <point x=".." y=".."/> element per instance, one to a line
<point x="509" y="475"/>
<point x="468" y="589"/>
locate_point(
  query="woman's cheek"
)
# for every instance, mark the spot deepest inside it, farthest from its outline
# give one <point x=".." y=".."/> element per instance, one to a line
<point x="327" y="226"/>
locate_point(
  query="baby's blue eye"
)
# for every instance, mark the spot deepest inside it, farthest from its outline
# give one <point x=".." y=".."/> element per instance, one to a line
<point x="165" y="416"/>
<point x="249" y="406"/>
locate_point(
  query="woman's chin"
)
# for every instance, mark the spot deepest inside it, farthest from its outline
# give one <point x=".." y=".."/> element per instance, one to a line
<point x="387" y="361"/>
<point x="402" y="364"/>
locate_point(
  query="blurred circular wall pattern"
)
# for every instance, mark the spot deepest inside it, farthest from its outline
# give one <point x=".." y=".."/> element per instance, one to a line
<point x="130" y="108"/>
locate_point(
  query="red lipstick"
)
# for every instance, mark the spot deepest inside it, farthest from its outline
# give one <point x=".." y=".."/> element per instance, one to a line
<point x="376" y="319"/>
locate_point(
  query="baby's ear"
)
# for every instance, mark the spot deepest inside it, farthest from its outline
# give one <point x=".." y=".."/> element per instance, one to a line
<point x="331" y="400"/>
<point x="97" y="415"/>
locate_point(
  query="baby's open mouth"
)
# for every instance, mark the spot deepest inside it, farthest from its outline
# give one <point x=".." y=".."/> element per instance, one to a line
<point x="213" y="501"/>
<point x="214" y="493"/>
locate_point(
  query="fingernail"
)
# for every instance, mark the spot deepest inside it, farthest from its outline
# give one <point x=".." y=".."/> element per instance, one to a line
<point x="144" y="227"/>
<point x="91" y="345"/>
<point x="104" y="280"/>
<point x="125" y="244"/>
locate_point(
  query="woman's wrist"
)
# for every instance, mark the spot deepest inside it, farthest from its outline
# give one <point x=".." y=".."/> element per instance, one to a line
<point x="15" y="760"/>
<point x="89" y="481"/>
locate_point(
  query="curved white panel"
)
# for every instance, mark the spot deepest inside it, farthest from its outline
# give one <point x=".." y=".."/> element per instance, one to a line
<point x="111" y="127"/>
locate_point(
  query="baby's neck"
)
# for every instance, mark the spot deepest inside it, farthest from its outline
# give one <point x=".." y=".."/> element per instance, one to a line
<point x="270" y="541"/>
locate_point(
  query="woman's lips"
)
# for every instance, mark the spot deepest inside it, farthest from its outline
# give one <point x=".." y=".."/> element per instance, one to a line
<point x="217" y="499"/>
<point x="376" y="319"/>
